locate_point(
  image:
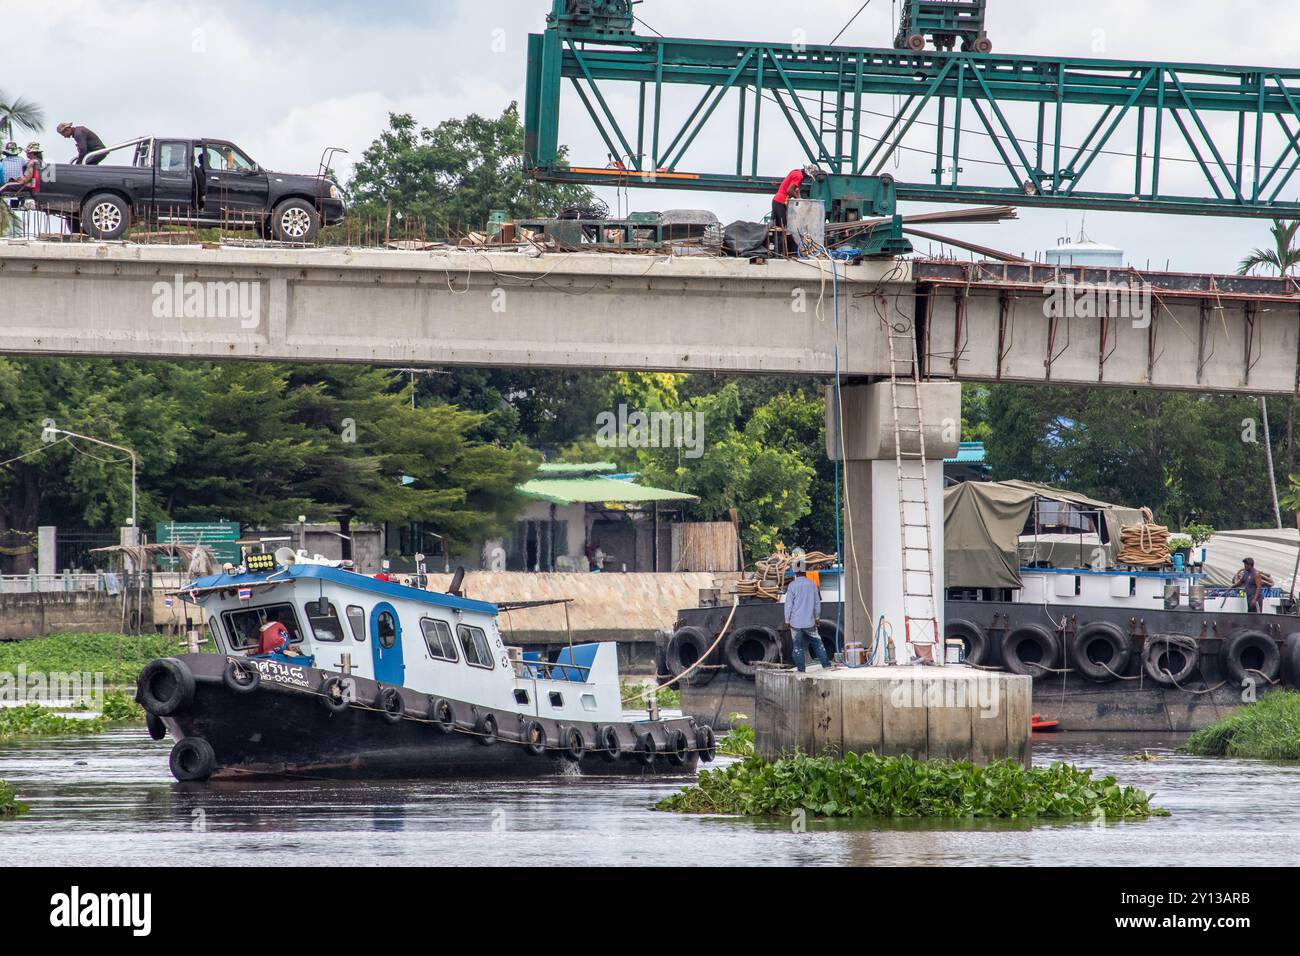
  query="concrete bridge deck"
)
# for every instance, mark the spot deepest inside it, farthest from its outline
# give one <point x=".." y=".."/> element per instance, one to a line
<point x="977" y="321"/>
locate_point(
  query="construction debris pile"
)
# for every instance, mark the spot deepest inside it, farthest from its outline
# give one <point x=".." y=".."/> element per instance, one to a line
<point x="771" y="574"/>
<point x="1144" y="545"/>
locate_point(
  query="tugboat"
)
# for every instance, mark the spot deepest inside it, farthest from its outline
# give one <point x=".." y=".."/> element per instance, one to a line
<point x="374" y="678"/>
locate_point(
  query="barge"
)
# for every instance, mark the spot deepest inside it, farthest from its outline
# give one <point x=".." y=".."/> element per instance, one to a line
<point x="1035" y="586"/>
<point x="371" y="678"/>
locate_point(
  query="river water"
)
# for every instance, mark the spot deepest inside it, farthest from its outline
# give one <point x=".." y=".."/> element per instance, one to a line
<point x="109" y="800"/>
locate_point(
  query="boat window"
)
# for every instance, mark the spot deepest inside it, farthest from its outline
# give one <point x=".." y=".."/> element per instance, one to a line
<point x="557" y="699"/>
<point x="325" y="627"/>
<point x="588" y="701"/>
<point x="474" y="642"/>
<point x="357" y="621"/>
<point x="386" y="629"/>
<point x="437" y="637"/>
<point x="215" y="630"/>
<point x="521" y="697"/>
<point x="244" y="625"/>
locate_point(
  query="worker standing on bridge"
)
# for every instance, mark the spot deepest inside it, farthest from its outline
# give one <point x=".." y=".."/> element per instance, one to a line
<point x="790" y="187"/>
<point x="803" y="605"/>
<point x="86" y="140"/>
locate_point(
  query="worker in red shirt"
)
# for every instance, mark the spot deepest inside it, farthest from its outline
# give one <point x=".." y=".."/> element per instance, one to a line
<point x="790" y="187"/>
<point x="273" y="638"/>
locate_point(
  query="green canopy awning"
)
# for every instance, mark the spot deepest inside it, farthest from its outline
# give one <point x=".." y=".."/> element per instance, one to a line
<point x="597" y="489"/>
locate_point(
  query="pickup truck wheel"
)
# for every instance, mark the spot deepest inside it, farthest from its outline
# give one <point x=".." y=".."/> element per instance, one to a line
<point x="295" y="220"/>
<point x="105" y="216"/>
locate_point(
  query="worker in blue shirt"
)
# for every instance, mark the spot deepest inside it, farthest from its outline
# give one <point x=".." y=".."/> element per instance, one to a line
<point x="803" y="605"/>
<point x="11" y="163"/>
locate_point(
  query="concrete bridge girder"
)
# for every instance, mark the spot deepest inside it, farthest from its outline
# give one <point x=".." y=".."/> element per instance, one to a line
<point x="444" y="308"/>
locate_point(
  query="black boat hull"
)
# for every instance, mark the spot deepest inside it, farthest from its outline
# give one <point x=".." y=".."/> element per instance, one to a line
<point x="284" y="727"/>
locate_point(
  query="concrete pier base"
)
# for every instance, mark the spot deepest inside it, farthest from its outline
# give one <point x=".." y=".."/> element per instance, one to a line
<point x="943" y="713"/>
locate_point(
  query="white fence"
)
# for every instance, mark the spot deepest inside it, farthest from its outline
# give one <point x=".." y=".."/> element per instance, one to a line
<point x="34" y="583"/>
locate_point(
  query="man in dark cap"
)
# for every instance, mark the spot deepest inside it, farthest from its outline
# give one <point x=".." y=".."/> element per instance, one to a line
<point x="87" y="143"/>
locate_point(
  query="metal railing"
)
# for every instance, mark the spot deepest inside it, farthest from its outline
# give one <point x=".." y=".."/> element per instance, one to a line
<point x="67" y="581"/>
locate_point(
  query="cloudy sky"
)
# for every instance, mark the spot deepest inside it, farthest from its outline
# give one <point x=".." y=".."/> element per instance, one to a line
<point x="285" y="78"/>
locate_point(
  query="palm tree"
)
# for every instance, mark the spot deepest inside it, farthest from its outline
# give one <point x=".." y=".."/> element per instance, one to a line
<point x="17" y="114"/>
<point x="1282" y="258"/>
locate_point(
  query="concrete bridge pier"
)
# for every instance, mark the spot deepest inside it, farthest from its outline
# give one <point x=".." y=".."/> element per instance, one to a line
<point x="874" y="579"/>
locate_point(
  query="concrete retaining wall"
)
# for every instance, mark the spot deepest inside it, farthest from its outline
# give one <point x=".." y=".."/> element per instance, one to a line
<point x="54" y="612"/>
<point x="926" y="713"/>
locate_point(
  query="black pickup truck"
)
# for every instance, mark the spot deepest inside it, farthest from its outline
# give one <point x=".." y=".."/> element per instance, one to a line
<point x="200" y="182"/>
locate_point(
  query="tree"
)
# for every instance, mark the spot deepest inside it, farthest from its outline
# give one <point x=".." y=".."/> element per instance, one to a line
<point x="17" y="113"/>
<point x="453" y="176"/>
<point x="767" y="485"/>
<point x="1282" y="258"/>
<point x="1190" y="458"/>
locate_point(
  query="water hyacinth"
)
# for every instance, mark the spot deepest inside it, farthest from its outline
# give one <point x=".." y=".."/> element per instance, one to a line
<point x="870" y="786"/>
<point x="1268" y="729"/>
<point x="9" y="805"/>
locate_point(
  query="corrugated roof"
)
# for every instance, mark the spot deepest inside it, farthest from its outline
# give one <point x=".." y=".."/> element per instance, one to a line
<point x="591" y="468"/>
<point x="968" y="453"/>
<point x="596" y="489"/>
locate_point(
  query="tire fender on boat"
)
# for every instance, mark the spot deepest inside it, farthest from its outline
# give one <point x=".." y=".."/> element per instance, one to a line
<point x="485" y="730"/>
<point x="1114" y="666"/>
<point x="646" y="749"/>
<point x="1161" y="650"/>
<point x="1250" y="655"/>
<point x="192" y="758"/>
<point x="973" y="636"/>
<point x="684" y="649"/>
<point x="389" y="702"/>
<point x="1049" y="647"/>
<point x="240" y="676"/>
<point x="335" y="694"/>
<point x="607" y="738"/>
<point x="706" y="743"/>
<point x="1291" y="660"/>
<point x="154" y="724"/>
<point x="443" y="717"/>
<point x="534" y="738"/>
<point x="744" y="649"/>
<point x="165" y="687"/>
<point x="572" y="745"/>
<point x="679" y="748"/>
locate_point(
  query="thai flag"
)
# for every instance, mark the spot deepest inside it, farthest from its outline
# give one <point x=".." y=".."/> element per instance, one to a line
<point x="245" y="594"/>
<point x="167" y="601"/>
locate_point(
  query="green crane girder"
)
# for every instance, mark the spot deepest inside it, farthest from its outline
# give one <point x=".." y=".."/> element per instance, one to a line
<point x="851" y="108"/>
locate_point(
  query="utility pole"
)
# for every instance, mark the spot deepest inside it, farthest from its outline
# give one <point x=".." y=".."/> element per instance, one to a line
<point x="48" y="433"/>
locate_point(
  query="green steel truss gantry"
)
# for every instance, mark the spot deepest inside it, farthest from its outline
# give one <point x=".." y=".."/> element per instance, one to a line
<point x="1236" y="128"/>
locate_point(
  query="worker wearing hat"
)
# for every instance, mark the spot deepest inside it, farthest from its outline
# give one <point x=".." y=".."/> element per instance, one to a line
<point x="31" y="174"/>
<point x="11" y="162"/>
<point x="803" y="605"/>
<point x="86" y="140"/>
<point x="790" y="187"/>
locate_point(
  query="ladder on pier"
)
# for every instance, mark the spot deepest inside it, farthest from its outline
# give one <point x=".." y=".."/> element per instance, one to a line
<point x="920" y="615"/>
